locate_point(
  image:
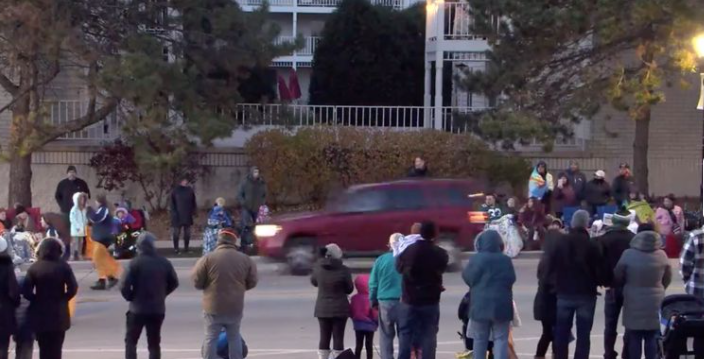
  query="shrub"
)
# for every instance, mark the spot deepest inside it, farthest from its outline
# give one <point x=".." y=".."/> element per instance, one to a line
<point x="306" y="165"/>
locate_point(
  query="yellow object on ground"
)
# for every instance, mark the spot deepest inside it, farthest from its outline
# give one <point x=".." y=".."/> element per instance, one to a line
<point x="105" y="264"/>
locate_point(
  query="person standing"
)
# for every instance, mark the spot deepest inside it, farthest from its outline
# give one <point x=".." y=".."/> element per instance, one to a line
<point x="644" y="272"/>
<point x="670" y="219"/>
<point x="597" y="192"/>
<point x="541" y="185"/>
<point x="218" y="219"/>
<point x="251" y="196"/>
<point x="577" y="180"/>
<point x="622" y="185"/>
<point x="613" y="243"/>
<point x="79" y="222"/>
<point x="385" y="294"/>
<point x="490" y="276"/>
<point x="422" y="266"/>
<point x="692" y="271"/>
<point x="66" y="188"/>
<point x="564" y="196"/>
<point x="545" y="303"/>
<point x="419" y="169"/>
<point x="224" y="276"/>
<point x="49" y="286"/>
<point x="576" y="265"/>
<point x="332" y="308"/>
<point x="9" y="298"/>
<point x="365" y="318"/>
<point x="146" y="283"/>
<point x="183" y="209"/>
<point x="104" y="235"/>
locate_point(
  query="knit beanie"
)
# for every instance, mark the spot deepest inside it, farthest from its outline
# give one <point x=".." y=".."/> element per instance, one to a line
<point x="332" y="250"/>
<point x="580" y="219"/>
<point x="621" y="220"/>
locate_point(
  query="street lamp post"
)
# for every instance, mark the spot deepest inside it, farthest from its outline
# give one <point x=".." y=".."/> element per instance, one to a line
<point x="698" y="43"/>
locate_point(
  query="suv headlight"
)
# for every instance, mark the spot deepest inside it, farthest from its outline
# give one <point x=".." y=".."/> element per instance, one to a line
<point x="266" y="230"/>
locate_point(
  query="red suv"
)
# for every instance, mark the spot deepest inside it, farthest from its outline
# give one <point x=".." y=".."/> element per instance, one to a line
<point x="361" y="220"/>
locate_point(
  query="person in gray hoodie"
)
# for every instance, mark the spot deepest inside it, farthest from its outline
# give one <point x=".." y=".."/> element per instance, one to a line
<point x="644" y="272"/>
<point x="490" y="276"/>
<point x="146" y="283"/>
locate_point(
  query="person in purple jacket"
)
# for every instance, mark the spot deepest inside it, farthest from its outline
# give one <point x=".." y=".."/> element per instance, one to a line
<point x="364" y="317"/>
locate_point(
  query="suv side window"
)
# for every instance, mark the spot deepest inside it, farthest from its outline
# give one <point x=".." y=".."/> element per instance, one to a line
<point x="363" y="201"/>
<point x="453" y="196"/>
<point x="406" y="199"/>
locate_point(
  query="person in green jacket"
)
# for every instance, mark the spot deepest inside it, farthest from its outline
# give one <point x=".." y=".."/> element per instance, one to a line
<point x="385" y="294"/>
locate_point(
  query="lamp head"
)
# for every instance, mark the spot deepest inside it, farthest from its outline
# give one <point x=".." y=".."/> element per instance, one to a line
<point x="698" y="43"/>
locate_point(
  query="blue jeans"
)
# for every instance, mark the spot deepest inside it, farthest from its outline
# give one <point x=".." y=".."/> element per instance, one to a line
<point x="418" y="326"/>
<point x="613" y="303"/>
<point x="214" y="324"/>
<point x="639" y="339"/>
<point x="569" y="307"/>
<point x="388" y="325"/>
<point x="482" y="330"/>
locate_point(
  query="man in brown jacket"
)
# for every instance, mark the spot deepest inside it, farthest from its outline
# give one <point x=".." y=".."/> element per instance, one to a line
<point x="224" y="275"/>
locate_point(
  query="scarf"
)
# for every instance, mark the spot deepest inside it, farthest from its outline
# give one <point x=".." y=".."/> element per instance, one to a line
<point x="405" y="242"/>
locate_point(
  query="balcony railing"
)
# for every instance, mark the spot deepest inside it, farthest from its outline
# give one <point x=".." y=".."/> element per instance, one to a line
<point x="309" y="45"/>
<point x="61" y="112"/>
<point x="397" y="4"/>
<point x="457" y="22"/>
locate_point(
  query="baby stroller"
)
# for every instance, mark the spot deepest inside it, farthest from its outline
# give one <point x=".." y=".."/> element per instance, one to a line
<point x="681" y="318"/>
<point x="126" y="244"/>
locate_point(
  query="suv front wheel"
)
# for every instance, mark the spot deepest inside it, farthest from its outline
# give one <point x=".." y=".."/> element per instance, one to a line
<point x="300" y="255"/>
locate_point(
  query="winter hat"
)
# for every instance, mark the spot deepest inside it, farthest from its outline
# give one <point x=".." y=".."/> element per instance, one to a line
<point x="600" y="174"/>
<point x="228" y="237"/>
<point x="19" y="209"/>
<point x="580" y="219"/>
<point x="334" y="251"/>
<point x="71" y="168"/>
<point x="621" y="219"/>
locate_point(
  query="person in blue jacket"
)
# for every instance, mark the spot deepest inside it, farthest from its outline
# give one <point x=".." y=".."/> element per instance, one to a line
<point x="490" y="276"/>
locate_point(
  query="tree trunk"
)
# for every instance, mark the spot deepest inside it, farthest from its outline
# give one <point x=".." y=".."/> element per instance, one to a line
<point x="20" y="180"/>
<point x="641" y="143"/>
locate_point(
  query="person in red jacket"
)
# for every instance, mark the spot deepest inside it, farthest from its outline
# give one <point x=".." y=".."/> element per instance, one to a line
<point x="532" y="218"/>
<point x="364" y="317"/>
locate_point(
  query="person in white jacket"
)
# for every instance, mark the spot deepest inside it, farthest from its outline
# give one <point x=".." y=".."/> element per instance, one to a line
<point x="79" y="221"/>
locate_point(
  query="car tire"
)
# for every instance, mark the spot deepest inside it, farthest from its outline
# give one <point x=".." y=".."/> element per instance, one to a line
<point x="447" y="242"/>
<point x="300" y="256"/>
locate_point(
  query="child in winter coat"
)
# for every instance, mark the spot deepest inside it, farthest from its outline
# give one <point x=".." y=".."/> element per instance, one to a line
<point x="79" y="221"/>
<point x="364" y="317"/>
<point x="218" y="219"/>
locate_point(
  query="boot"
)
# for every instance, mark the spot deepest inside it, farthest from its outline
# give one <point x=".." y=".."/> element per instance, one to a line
<point x="112" y="281"/>
<point x="99" y="285"/>
<point x="323" y="354"/>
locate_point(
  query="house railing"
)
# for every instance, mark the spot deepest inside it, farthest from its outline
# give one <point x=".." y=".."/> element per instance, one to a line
<point x="397" y="4"/>
<point x="251" y="116"/>
<point x="309" y="45"/>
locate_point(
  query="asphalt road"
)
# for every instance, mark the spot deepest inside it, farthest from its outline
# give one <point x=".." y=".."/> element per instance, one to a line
<point x="278" y="320"/>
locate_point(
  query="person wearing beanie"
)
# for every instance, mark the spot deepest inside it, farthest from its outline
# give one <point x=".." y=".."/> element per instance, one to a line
<point x="576" y="266"/>
<point x="23" y="221"/>
<point x="613" y="243"/>
<point x="385" y="294"/>
<point x="334" y="282"/>
<point x="9" y="297"/>
<point x="146" y="283"/>
<point x="218" y="219"/>
<point x="65" y="191"/>
<point x="644" y="273"/>
<point x="224" y="276"/>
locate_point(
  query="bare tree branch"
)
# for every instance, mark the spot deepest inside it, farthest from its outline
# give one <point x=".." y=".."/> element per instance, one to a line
<point x="8" y="85"/>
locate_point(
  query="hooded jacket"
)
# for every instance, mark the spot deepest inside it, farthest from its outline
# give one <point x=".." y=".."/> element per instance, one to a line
<point x="9" y="291"/>
<point x="364" y="317"/>
<point x="578" y="181"/>
<point x="645" y="273"/>
<point x="490" y="276"/>
<point x="48" y="286"/>
<point x="224" y="276"/>
<point x="78" y="217"/>
<point x="149" y="279"/>
<point x="334" y="282"/>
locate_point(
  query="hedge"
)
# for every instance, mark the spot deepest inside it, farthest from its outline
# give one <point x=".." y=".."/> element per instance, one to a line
<point x="306" y="165"/>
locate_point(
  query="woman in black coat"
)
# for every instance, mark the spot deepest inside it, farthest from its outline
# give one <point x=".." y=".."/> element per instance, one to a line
<point x="545" y="304"/>
<point x="332" y="308"/>
<point x="48" y="286"/>
<point x="9" y="298"/>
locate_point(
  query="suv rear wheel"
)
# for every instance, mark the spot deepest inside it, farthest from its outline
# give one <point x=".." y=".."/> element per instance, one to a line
<point x="300" y="255"/>
<point x="446" y="241"/>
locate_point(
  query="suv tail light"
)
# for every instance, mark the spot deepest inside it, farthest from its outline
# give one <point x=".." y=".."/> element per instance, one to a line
<point x="478" y="217"/>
